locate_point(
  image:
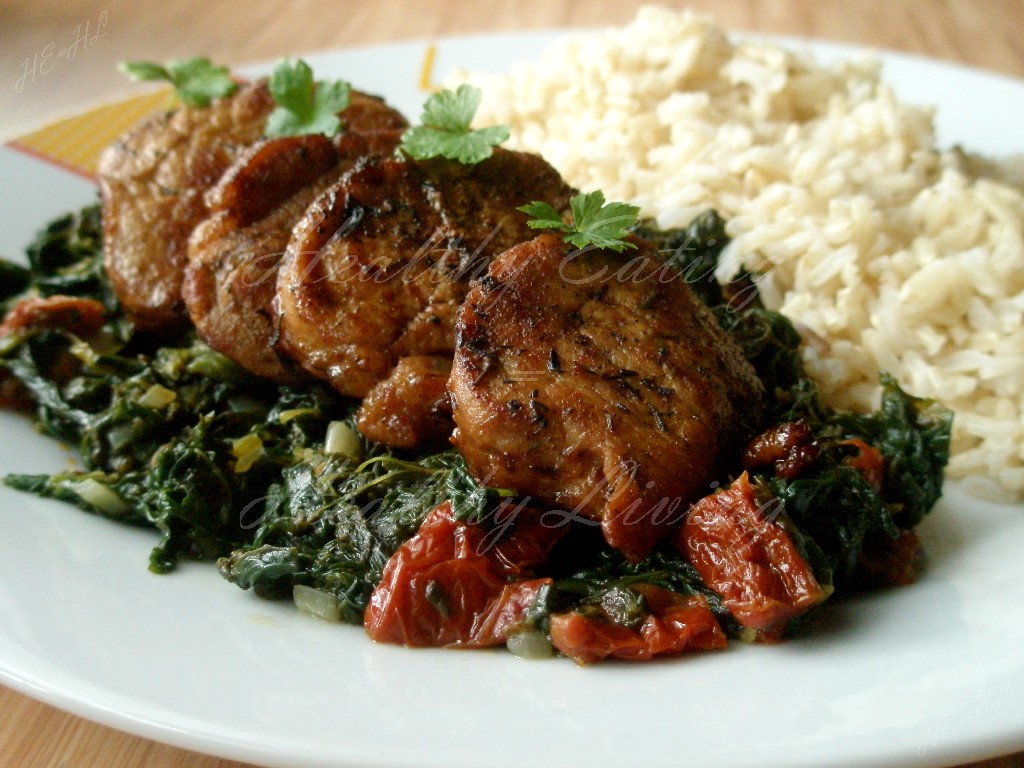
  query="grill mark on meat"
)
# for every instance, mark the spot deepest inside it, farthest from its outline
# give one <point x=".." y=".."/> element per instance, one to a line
<point x="554" y="362"/>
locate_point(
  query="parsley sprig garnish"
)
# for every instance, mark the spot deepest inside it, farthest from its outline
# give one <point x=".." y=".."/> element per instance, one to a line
<point x="446" y="132"/>
<point x="197" y="81"/>
<point x="593" y="221"/>
<point x="303" y="105"/>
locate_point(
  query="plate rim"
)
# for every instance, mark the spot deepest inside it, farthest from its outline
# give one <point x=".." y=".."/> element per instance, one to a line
<point x="208" y="743"/>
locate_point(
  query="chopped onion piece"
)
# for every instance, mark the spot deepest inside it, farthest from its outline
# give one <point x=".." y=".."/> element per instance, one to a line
<point x="293" y="413"/>
<point x="84" y="352"/>
<point x="747" y="635"/>
<point x="247" y="450"/>
<point x="529" y="645"/>
<point x="120" y="436"/>
<point x="101" y="496"/>
<point x="157" y="396"/>
<point x="342" y="440"/>
<point x="316" y="602"/>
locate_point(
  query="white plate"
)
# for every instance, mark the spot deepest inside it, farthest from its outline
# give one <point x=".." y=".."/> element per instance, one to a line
<point x="926" y="675"/>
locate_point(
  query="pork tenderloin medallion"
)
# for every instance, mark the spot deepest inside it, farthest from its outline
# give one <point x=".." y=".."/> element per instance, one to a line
<point x="152" y="181"/>
<point x="598" y="384"/>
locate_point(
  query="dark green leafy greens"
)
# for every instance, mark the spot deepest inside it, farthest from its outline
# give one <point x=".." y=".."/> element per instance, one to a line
<point x="913" y="434"/>
<point x="14" y="279"/>
<point x="332" y="523"/>
<point x="694" y="251"/>
<point x="162" y="433"/>
<point x="65" y="258"/>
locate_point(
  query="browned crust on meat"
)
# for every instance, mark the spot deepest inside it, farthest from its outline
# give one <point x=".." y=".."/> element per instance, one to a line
<point x="597" y="383"/>
<point x="152" y="182"/>
<point x="231" y="277"/>
<point x="230" y="280"/>
<point x="410" y="408"/>
<point x="380" y="264"/>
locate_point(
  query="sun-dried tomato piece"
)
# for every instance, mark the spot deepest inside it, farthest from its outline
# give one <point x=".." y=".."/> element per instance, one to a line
<point x="449" y="585"/>
<point x="788" y="447"/>
<point x="775" y="443"/>
<point x="518" y="540"/>
<point x="885" y="562"/>
<point x="70" y="313"/>
<point x="868" y="461"/>
<point x="676" y="624"/>
<point x="82" y="317"/>
<point x="750" y="560"/>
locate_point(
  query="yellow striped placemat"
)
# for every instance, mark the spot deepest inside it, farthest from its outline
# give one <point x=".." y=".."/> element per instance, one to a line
<point x="75" y="143"/>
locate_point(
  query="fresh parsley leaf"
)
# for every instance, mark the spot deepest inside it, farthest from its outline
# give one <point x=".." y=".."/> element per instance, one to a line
<point x="197" y="81"/>
<point x="423" y="142"/>
<point x="144" y="70"/>
<point x="594" y="222"/>
<point x="544" y="216"/>
<point x="446" y="132"/>
<point x="452" y="110"/>
<point x="304" y="106"/>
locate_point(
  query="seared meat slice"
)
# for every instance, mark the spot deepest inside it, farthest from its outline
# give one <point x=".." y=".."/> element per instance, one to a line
<point x="231" y="277"/>
<point x="596" y="382"/>
<point x="410" y="407"/>
<point x="379" y="266"/>
<point x="229" y="282"/>
<point x="152" y="182"/>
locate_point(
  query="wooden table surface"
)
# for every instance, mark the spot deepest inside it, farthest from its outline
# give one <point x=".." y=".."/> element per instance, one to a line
<point x="981" y="33"/>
